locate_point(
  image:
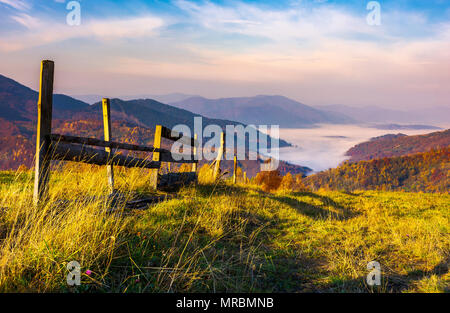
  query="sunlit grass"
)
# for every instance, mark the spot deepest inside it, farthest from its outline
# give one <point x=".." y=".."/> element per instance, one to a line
<point x="218" y="237"/>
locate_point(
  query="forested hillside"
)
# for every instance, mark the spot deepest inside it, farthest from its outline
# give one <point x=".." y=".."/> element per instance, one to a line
<point x="398" y="145"/>
<point x="428" y="172"/>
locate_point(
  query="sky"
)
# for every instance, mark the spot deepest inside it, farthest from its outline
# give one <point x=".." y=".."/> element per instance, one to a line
<point x="318" y="52"/>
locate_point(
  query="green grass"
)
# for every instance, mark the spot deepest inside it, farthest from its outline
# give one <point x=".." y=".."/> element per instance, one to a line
<point x="220" y="238"/>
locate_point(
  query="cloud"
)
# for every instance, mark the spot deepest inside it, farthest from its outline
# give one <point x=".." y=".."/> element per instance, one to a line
<point x="17" y="4"/>
<point x="40" y="32"/>
<point x="307" y="26"/>
<point x="26" y="20"/>
<point x="319" y="54"/>
<point x="277" y="25"/>
<point x="327" y="56"/>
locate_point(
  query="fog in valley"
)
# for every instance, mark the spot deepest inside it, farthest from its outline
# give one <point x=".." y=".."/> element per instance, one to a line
<point x="324" y="147"/>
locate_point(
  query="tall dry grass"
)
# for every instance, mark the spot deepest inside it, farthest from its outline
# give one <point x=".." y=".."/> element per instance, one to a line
<point x="216" y="236"/>
<point x="76" y="223"/>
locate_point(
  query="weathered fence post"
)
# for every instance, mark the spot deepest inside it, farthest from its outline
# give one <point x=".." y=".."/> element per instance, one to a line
<point x="44" y="128"/>
<point x="156" y="156"/>
<point x="219" y="156"/>
<point x="234" y="169"/>
<point x="194" y="165"/>
<point x="108" y="137"/>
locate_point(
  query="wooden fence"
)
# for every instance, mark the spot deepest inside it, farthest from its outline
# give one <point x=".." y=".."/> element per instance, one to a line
<point x="50" y="146"/>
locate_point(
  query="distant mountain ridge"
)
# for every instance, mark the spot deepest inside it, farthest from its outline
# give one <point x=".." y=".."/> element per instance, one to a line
<point x="149" y="112"/>
<point x="262" y="110"/>
<point x="374" y="114"/>
<point x="404" y="127"/>
<point x="164" y="98"/>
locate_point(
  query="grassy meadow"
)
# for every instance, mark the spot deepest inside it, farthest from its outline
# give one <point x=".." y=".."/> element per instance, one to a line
<point x="217" y="237"/>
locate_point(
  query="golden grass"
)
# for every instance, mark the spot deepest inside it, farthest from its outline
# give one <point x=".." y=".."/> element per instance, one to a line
<point x="218" y="237"/>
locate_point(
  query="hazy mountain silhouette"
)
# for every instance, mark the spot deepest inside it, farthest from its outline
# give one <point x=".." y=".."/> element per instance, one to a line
<point x="165" y="98"/>
<point x="262" y="110"/>
<point x="375" y="114"/>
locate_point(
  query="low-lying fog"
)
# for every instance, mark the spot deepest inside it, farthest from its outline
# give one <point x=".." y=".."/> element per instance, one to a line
<point x="324" y="147"/>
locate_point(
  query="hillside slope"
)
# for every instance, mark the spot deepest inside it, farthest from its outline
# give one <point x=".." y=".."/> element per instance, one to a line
<point x="18" y="102"/>
<point x="398" y="145"/>
<point x="218" y="238"/>
<point x="426" y="172"/>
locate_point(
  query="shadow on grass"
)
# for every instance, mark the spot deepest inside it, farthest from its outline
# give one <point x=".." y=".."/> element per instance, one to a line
<point x="338" y="211"/>
<point x="249" y="256"/>
<point x="390" y="283"/>
<point x="220" y="189"/>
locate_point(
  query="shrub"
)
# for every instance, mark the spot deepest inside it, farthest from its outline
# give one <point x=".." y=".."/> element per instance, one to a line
<point x="287" y="183"/>
<point x="269" y="181"/>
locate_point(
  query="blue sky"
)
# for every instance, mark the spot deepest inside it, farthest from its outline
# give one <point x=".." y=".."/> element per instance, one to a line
<point x="316" y="51"/>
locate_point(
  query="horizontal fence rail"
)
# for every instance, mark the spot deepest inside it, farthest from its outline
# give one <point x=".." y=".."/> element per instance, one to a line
<point x="76" y="153"/>
<point x="103" y="143"/>
<point x="166" y="155"/>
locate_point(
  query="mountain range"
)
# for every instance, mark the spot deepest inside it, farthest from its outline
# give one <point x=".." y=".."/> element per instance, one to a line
<point x="376" y="114"/>
<point x="18" y="103"/>
<point x="262" y="110"/>
<point x="133" y="121"/>
<point x="164" y="98"/>
<point x="288" y="113"/>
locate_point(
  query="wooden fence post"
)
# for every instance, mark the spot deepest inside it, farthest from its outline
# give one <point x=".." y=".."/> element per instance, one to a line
<point x="156" y="156"/>
<point x="234" y="169"/>
<point x="108" y="137"/>
<point x="194" y="165"/>
<point x="219" y="156"/>
<point x="44" y="129"/>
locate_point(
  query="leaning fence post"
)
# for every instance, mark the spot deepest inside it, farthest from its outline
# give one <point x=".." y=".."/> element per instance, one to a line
<point x="219" y="156"/>
<point x="234" y="169"/>
<point x="194" y="165"/>
<point x="44" y="129"/>
<point x="156" y="155"/>
<point x="108" y="137"/>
